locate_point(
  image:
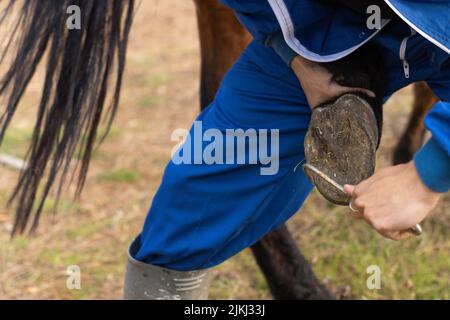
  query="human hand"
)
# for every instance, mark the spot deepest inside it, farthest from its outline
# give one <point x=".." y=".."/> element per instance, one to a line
<point x="393" y="200"/>
<point x="318" y="83"/>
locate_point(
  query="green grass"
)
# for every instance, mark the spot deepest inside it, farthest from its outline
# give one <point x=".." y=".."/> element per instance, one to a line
<point x="16" y="142"/>
<point x="97" y="153"/>
<point x="88" y="229"/>
<point x="20" y="242"/>
<point x="343" y="248"/>
<point x="59" y="258"/>
<point x="149" y="101"/>
<point x="146" y="80"/>
<point x="239" y="278"/>
<point x="119" y="175"/>
<point x="159" y="79"/>
<point x="64" y="206"/>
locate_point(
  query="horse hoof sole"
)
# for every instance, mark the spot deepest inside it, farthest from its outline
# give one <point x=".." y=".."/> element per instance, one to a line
<point x="341" y="142"/>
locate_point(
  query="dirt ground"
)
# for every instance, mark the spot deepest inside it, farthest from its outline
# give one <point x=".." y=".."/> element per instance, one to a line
<point x="160" y="95"/>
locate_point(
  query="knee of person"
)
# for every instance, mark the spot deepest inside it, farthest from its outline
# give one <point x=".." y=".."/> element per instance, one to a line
<point x="193" y="259"/>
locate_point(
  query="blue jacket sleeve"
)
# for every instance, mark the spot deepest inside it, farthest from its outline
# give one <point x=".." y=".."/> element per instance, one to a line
<point x="256" y="15"/>
<point x="433" y="160"/>
<point x="259" y="19"/>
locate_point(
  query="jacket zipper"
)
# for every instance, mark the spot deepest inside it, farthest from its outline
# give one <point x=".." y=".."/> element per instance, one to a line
<point x="402" y="53"/>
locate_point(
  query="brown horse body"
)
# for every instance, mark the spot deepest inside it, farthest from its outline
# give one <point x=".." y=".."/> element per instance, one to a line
<point x="222" y="39"/>
<point x="414" y="134"/>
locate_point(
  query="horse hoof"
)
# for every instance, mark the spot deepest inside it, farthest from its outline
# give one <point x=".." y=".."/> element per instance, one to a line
<point x="341" y="142"/>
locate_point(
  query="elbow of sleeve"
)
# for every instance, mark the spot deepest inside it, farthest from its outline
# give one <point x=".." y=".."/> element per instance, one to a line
<point x="277" y="42"/>
<point x="433" y="166"/>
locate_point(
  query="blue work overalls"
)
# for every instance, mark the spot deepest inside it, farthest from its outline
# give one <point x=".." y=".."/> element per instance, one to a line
<point x="202" y="214"/>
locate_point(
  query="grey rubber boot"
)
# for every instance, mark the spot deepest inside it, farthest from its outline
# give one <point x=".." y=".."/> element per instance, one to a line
<point x="148" y="282"/>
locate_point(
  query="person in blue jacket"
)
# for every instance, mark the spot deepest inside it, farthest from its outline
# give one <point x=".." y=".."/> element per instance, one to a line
<point x="204" y="213"/>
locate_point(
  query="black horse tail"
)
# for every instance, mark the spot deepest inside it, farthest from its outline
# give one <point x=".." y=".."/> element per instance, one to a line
<point x="80" y="63"/>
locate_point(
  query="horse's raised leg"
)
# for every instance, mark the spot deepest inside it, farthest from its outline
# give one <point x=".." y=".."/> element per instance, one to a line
<point x="222" y="39"/>
<point x="413" y="136"/>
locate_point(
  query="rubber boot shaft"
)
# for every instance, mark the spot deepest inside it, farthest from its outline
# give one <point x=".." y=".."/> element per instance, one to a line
<point x="148" y="282"/>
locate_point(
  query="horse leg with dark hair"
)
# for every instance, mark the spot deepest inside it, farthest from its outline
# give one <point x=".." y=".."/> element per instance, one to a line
<point x="222" y="39"/>
<point x="414" y="134"/>
<point x="288" y="273"/>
